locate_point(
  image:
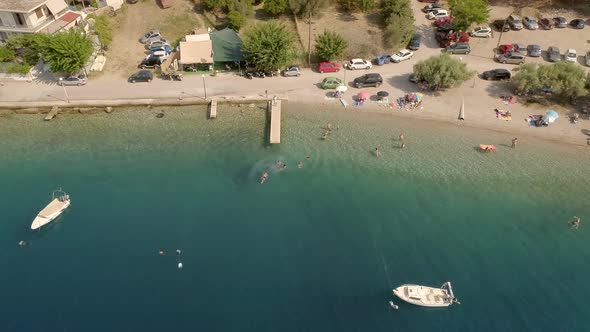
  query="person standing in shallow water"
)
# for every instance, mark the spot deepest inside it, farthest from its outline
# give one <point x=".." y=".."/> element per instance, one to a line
<point x="377" y="152"/>
<point x="514" y="140"/>
<point x="401" y="136"/>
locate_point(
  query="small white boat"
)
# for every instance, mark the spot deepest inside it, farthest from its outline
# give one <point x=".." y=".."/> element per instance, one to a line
<point x="427" y="296"/>
<point x="59" y="202"/>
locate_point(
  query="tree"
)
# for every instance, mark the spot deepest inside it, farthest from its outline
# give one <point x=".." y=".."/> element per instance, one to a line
<point x="442" y="71"/>
<point x="307" y="8"/>
<point x="398" y="32"/>
<point x="352" y="5"/>
<point x="6" y="54"/>
<point x="269" y="45"/>
<point x="399" y="8"/>
<point x="276" y="7"/>
<point x="102" y="27"/>
<point x="467" y="12"/>
<point x="526" y="79"/>
<point x="330" y="45"/>
<point x="33" y="46"/>
<point x="566" y="79"/>
<point x="236" y="20"/>
<point x="68" y="51"/>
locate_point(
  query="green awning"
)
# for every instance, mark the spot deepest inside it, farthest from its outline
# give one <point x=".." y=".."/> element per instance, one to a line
<point x="227" y="46"/>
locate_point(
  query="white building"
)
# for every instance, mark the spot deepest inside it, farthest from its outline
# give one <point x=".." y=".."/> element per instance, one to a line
<point x="28" y="16"/>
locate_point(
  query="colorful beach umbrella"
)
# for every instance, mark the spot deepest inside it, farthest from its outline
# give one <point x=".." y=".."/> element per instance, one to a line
<point x="419" y="95"/>
<point x="363" y="95"/>
<point x="551" y="116"/>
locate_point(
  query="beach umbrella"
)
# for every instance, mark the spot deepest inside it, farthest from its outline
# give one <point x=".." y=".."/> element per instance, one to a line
<point x="419" y="95"/>
<point x="363" y="95"/>
<point x="341" y="88"/>
<point x="551" y="116"/>
<point x="382" y="94"/>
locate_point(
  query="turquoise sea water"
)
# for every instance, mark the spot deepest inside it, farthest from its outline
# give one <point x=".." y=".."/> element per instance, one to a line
<point x="312" y="249"/>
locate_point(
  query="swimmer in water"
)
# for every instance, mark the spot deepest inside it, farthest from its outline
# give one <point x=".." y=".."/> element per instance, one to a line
<point x="308" y="157"/>
<point x="264" y="177"/>
<point x="299" y="164"/>
<point x="22" y="243"/>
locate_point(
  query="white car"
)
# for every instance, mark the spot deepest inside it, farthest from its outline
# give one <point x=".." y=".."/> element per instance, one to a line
<point x="402" y="55"/>
<point x="359" y="64"/>
<point x="439" y="13"/>
<point x="571" y="55"/>
<point x="481" y="32"/>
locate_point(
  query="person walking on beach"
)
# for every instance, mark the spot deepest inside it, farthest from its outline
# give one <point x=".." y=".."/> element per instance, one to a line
<point x="377" y="152"/>
<point x="401" y="136"/>
<point x="514" y="140"/>
<point x="402" y="146"/>
<point x="329" y="126"/>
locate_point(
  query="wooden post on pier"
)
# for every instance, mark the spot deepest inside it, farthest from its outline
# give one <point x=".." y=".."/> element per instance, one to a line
<point x="275" y="121"/>
<point x="213" y="109"/>
<point x="52" y="113"/>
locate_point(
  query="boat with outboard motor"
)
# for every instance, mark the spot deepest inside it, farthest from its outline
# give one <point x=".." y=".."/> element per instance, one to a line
<point x="427" y="296"/>
<point x="59" y="202"/>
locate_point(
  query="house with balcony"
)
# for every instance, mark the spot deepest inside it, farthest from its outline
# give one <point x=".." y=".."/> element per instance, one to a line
<point x="31" y="16"/>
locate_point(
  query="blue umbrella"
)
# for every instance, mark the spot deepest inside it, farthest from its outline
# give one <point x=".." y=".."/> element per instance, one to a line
<point x="551" y="116"/>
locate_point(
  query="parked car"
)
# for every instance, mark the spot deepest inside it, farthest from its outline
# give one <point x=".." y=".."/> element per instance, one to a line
<point x="577" y="23"/>
<point x="496" y="74"/>
<point x="150" y="36"/>
<point x="530" y="22"/>
<point x="546" y="23"/>
<point x="292" y="70"/>
<point x="506" y="48"/>
<point x="511" y="58"/>
<point x="160" y="53"/>
<point x="151" y="62"/>
<point x="439" y="13"/>
<point x="164" y="47"/>
<point x="372" y="79"/>
<point x="553" y="54"/>
<point x="429" y="1"/>
<point x="132" y="2"/>
<point x="445" y="28"/>
<point x="520" y="48"/>
<point x="570" y="55"/>
<point x="402" y="55"/>
<point x="328" y="67"/>
<point x="358" y="64"/>
<point x="534" y="50"/>
<point x="481" y="32"/>
<point x="415" y="42"/>
<point x="331" y="83"/>
<point x="587" y="58"/>
<point x="515" y="22"/>
<point x="141" y="76"/>
<point x="383" y="59"/>
<point x="72" y="80"/>
<point x="157" y="43"/>
<point x="431" y="6"/>
<point x="459" y="48"/>
<point x="560" y="22"/>
<point x="501" y="25"/>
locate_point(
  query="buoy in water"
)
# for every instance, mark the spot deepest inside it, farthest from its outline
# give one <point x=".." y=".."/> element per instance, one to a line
<point x="178" y="251"/>
<point x="393" y="305"/>
<point x="161" y="252"/>
<point x="180" y="265"/>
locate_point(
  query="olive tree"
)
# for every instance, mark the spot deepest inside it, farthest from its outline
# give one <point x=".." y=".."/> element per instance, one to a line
<point x="442" y="71"/>
<point x="526" y="79"/>
<point x="67" y="52"/>
<point x="269" y="45"/>
<point x="330" y="45"/>
<point x="467" y="12"/>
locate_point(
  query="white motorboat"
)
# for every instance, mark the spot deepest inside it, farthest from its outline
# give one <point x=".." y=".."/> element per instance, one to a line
<point x="59" y="202"/>
<point x="427" y="296"/>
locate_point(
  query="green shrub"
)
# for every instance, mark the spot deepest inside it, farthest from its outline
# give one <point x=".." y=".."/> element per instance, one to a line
<point x="6" y="54"/>
<point x="21" y="68"/>
<point x="276" y="7"/>
<point x="236" y="20"/>
<point x="330" y="45"/>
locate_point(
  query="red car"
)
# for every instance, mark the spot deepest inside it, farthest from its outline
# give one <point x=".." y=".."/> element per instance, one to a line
<point x="506" y="48"/>
<point x="328" y="67"/>
<point x="460" y="37"/>
<point x="443" y="21"/>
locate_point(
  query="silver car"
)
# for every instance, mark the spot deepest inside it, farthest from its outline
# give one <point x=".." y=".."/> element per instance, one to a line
<point x="534" y="50"/>
<point x="293" y="70"/>
<point x="149" y="36"/>
<point x="511" y="58"/>
<point x="530" y="23"/>
<point x="72" y="80"/>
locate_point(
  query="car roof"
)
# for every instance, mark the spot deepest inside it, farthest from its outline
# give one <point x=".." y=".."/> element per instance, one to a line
<point x="357" y="59"/>
<point x="571" y="50"/>
<point x="500" y="70"/>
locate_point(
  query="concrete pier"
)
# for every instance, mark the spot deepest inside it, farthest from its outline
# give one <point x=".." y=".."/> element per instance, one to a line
<point x="213" y="109"/>
<point x="52" y="113"/>
<point x="275" y="121"/>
